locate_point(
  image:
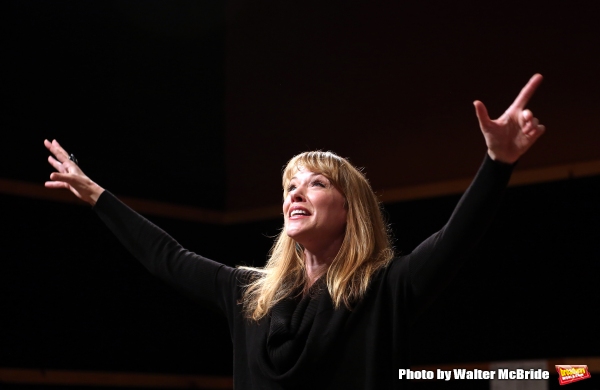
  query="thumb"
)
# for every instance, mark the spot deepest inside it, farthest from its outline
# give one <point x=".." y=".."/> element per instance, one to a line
<point x="482" y="114"/>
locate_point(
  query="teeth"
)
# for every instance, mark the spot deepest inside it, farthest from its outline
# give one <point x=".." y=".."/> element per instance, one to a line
<point x="297" y="212"/>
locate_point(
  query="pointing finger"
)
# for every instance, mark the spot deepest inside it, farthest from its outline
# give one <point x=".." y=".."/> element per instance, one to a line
<point x="527" y="91"/>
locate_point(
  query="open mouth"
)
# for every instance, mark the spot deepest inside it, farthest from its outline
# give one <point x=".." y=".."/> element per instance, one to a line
<point x="298" y="212"/>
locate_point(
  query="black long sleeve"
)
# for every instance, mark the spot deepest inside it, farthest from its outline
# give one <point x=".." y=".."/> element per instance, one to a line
<point x="433" y="263"/>
<point x="161" y="254"/>
<point x="306" y="338"/>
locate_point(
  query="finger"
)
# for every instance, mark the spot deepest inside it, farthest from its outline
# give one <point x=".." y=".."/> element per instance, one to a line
<point x="64" y="177"/>
<point x="527" y="91"/>
<point x="534" y="127"/>
<point x="60" y="149"/>
<point x="56" y="184"/>
<point x="528" y="122"/>
<point x="56" y="164"/>
<point x="59" y="152"/>
<point x="535" y="132"/>
<point x="482" y="114"/>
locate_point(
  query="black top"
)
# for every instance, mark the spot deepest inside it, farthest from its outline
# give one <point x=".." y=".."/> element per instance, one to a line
<point x="304" y="342"/>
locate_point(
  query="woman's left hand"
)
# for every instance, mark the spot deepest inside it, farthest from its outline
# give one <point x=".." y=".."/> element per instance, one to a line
<point x="509" y="136"/>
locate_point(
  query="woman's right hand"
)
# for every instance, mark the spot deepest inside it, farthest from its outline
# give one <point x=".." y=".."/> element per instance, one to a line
<point x="70" y="176"/>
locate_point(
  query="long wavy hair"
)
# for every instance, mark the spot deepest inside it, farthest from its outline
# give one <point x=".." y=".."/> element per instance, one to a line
<point x="366" y="247"/>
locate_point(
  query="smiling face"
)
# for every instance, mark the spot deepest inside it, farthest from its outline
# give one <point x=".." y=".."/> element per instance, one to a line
<point x="314" y="209"/>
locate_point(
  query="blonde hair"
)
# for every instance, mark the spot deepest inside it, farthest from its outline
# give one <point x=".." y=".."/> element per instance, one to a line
<point x="365" y="249"/>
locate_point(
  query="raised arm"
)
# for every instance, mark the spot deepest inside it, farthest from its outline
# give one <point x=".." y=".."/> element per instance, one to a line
<point x="436" y="260"/>
<point x="162" y="255"/>
<point x="431" y="265"/>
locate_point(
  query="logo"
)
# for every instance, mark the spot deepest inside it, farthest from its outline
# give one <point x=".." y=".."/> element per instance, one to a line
<point x="573" y="373"/>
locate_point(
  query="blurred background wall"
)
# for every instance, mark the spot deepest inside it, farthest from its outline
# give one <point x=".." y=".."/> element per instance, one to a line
<point x="199" y="104"/>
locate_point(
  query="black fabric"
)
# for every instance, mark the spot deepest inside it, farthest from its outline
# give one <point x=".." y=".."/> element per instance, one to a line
<point x="305" y="342"/>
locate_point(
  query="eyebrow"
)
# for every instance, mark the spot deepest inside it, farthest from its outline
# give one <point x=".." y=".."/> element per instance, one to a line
<point x="311" y="175"/>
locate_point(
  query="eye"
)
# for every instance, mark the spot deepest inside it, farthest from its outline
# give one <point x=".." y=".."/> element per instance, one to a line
<point x="319" y="183"/>
<point x="291" y="188"/>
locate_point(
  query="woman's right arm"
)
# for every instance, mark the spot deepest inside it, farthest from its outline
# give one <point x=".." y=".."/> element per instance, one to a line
<point x="155" y="249"/>
<point x="161" y="254"/>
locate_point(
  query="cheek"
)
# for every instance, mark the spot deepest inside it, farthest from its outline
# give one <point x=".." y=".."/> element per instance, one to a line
<point x="285" y="206"/>
<point x="339" y="214"/>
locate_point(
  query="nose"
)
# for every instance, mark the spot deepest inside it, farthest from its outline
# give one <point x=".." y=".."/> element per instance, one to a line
<point x="297" y="195"/>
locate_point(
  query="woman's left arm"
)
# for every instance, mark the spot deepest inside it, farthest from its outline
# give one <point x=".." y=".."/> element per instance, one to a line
<point x="433" y="262"/>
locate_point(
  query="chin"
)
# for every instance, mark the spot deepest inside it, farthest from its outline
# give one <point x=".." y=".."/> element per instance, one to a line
<point x="293" y="234"/>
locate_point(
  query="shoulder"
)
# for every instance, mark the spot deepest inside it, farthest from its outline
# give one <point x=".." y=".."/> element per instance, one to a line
<point x="396" y="275"/>
<point x="238" y="277"/>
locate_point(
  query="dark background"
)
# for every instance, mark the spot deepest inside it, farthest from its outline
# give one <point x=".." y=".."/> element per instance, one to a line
<point x="202" y="103"/>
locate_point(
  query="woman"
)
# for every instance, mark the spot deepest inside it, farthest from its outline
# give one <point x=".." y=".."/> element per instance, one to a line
<point x="332" y="309"/>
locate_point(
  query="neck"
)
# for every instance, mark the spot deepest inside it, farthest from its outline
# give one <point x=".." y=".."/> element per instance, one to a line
<point x="318" y="259"/>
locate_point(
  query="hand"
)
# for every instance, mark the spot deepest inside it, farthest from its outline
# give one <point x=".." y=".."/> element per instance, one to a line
<point x="70" y="176"/>
<point x="509" y="136"/>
